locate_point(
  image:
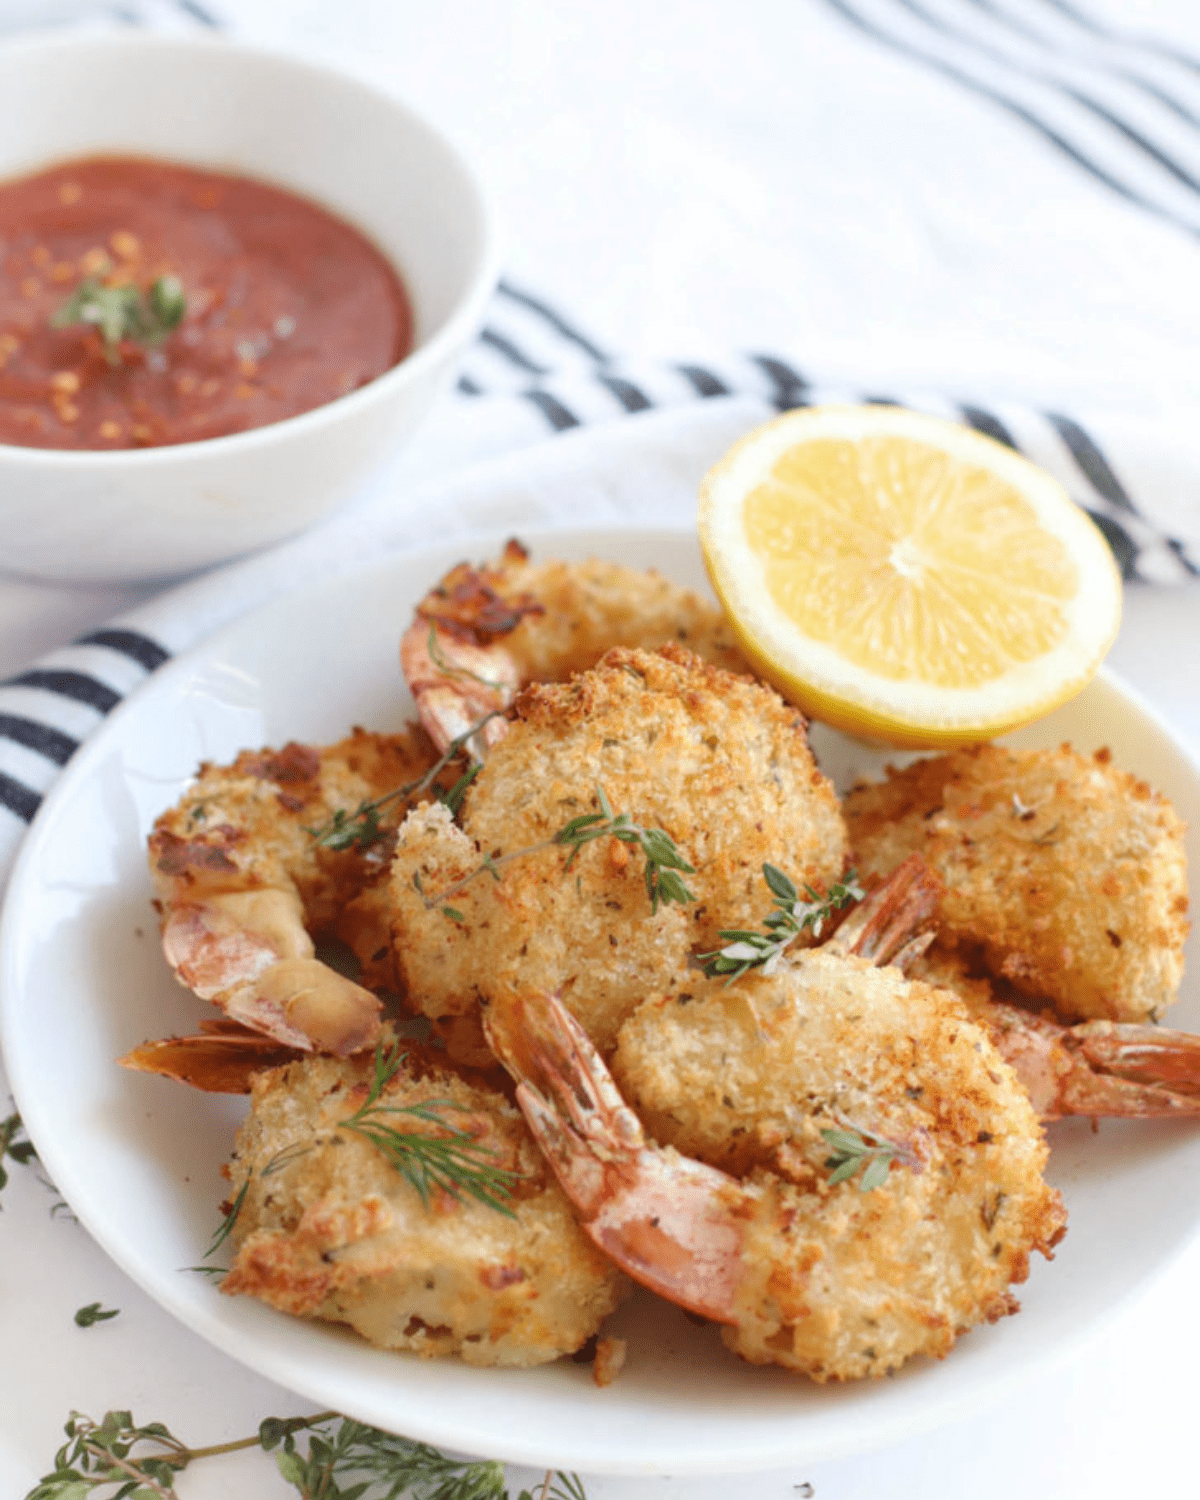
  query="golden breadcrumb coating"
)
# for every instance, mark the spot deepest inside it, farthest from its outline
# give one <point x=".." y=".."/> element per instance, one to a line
<point x="1066" y="876"/>
<point x="718" y="761"/>
<point x="247" y="826"/>
<point x="837" y="1282"/>
<point x="563" y="616"/>
<point x="329" y="1229"/>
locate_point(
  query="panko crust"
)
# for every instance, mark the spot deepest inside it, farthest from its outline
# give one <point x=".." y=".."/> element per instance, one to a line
<point x="718" y="761"/>
<point x="840" y="1283"/>
<point x="565" y="615"/>
<point x="247" y="826"/>
<point x="1066" y="876"/>
<point x="328" y="1229"/>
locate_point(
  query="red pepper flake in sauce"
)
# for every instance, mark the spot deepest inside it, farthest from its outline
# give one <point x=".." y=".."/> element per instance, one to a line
<point x="287" y="306"/>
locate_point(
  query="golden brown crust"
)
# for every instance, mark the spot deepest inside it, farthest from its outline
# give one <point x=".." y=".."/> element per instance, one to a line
<point x="1066" y="876"/>
<point x="247" y="826"/>
<point x="329" y="1230"/>
<point x="562" y="617"/>
<point x="716" y="760"/>
<point x="841" y="1283"/>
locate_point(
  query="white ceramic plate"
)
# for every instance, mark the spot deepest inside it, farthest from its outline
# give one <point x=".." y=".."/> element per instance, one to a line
<point x="138" y="1158"/>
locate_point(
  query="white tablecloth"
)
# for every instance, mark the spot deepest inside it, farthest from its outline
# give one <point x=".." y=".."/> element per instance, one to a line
<point x="994" y="202"/>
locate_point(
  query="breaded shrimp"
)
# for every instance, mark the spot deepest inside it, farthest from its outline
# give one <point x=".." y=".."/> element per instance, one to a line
<point x="719" y="762"/>
<point x="1064" y="875"/>
<point x="482" y="632"/>
<point x="1116" y="1068"/>
<point x="328" y="1228"/>
<point x="732" y="1208"/>
<point x="244" y="883"/>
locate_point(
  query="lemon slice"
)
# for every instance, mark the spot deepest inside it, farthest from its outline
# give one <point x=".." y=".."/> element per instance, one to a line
<point x="905" y="578"/>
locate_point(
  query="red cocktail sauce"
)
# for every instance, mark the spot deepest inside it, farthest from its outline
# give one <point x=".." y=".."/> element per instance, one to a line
<point x="288" y="307"/>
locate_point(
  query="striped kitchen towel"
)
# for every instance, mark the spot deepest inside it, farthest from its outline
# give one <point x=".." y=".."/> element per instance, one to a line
<point x="532" y="373"/>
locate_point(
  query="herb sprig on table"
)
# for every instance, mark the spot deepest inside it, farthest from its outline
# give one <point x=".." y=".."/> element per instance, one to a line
<point x="116" y="1459"/>
<point x="124" y="312"/>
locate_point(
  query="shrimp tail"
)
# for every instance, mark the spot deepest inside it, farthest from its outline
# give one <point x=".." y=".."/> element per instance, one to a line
<point x="894" y="924"/>
<point x="671" y="1223"/>
<point x="222" y="1059"/>
<point x="1099" y="1067"/>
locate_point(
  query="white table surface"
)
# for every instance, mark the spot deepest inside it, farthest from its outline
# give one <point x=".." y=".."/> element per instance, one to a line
<point x="616" y="136"/>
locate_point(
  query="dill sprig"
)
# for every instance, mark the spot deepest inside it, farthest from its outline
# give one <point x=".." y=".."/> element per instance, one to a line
<point x="341" y="1459"/>
<point x="863" y="1151"/>
<point x="661" y="872"/>
<point x="362" y="828"/>
<point x="454" y="1162"/>
<point x="792" y="917"/>
<point x="124" y="312"/>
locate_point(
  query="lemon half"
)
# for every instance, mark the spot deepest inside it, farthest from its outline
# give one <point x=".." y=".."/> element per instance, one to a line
<point x="905" y="578"/>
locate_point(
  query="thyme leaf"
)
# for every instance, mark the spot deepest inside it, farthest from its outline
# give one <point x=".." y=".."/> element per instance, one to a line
<point x="863" y="1151"/>
<point x="791" y="917"/>
<point x="93" y="1313"/>
<point x="663" y="859"/>
<point x="341" y="1459"/>
<point x="454" y="1161"/>
<point x="361" y="828"/>
<point x="124" y="312"/>
<point x="22" y="1152"/>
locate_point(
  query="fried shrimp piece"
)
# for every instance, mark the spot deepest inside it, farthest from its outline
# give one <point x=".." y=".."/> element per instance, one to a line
<point x="1116" y="1068"/>
<point x="718" y="762"/>
<point x="1066" y="876"/>
<point x="482" y="632"/>
<point x="713" y="1184"/>
<point x="328" y="1228"/>
<point x="244" y="884"/>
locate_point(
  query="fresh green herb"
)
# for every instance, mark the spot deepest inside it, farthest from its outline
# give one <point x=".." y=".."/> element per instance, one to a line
<point x="855" y="1150"/>
<point x="362" y="827"/>
<point x="124" y="312"/>
<point x="94" y="1313"/>
<point x="791" y="917"/>
<point x="663" y="859"/>
<point x="22" y="1152"/>
<point x="341" y="1460"/>
<point x="454" y="1161"/>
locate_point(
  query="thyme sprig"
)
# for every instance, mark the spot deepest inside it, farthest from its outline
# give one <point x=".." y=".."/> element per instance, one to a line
<point x="663" y="859"/>
<point x="362" y="827"/>
<point x="661" y="872"/>
<point x="341" y="1460"/>
<point x="453" y="1162"/>
<point x="20" y="1151"/>
<point x="863" y="1151"/>
<point x="124" y="312"/>
<point x="792" y="917"/>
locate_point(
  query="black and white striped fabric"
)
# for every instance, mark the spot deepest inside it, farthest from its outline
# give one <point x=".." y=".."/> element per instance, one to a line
<point x="534" y="372"/>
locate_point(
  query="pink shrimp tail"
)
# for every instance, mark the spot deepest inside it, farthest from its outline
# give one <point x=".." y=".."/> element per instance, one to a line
<point x="669" y="1222"/>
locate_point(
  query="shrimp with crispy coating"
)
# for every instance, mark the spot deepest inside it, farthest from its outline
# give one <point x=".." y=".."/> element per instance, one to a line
<point x="244" y="881"/>
<point x="732" y="1205"/>
<point x="483" y="632"/>
<point x="716" y="763"/>
<point x="328" y="1227"/>
<point x="1063" y="875"/>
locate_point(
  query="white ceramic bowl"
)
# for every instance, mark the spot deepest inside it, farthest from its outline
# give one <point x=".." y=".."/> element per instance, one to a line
<point x="157" y="512"/>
